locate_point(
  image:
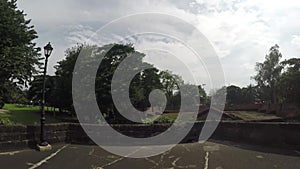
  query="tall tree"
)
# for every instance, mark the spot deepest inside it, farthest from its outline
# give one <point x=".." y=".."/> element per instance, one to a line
<point x="268" y="74"/>
<point x="140" y="87"/>
<point x="170" y="85"/>
<point x="290" y="81"/>
<point x="64" y="73"/>
<point x="203" y="96"/>
<point x="18" y="53"/>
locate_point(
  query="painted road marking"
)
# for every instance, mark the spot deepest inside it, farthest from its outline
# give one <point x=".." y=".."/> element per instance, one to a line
<point x="47" y="158"/>
<point x="12" y="152"/>
<point x="206" y="160"/>
<point x="121" y="158"/>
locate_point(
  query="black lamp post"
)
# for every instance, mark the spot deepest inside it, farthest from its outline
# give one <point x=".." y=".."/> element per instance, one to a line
<point x="43" y="143"/>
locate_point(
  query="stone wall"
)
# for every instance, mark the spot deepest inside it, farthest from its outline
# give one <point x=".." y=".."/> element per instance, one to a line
<point x="263" y="133"/>
<point x="21" y="136"/>
<point x="243" y="107"/>
<point x="274" y="134"/>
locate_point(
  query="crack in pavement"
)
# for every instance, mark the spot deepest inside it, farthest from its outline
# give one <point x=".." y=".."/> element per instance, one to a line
<point x="153" y="162"/>
<point x="173" y="164"/>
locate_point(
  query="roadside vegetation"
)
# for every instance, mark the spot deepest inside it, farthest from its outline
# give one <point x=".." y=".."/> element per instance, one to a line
<point x="23" y="115"/>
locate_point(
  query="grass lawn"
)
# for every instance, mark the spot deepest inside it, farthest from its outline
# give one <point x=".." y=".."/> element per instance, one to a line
<point x="24" y="114"/>
<point x="169" y="117"/>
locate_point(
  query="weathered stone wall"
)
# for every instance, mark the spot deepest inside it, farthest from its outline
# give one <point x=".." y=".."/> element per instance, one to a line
<point x="264" y="133"/>
<point x="275" y="134"/>
<point x="20" y="135"/>
<point x="243" y="107"/>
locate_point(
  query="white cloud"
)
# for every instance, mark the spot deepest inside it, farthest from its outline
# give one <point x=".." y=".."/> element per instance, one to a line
<point x="296" y="40"/>
<point x="240" y="31"/>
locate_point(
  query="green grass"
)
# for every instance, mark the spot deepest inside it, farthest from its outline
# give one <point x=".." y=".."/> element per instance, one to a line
<point x="172" y="116"/>
<point x="168" y="118"/>
<point x="24" y="114"/>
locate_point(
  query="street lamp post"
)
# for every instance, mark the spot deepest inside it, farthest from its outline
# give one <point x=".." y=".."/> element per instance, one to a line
<point x="44" y="145"/>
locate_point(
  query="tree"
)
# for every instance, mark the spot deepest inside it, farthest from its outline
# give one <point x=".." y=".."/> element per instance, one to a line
<point x="234" y="95"/>
<point x="249" y="94"/>
<point x="18" y="54"/>
<point x="36" y="86"/>
<point x="268" y="74"/>
<point x="170" y="85"/>
<point x="64" y="73"/>
<point x="14" y="94"/>
<point x="140" y="87"/>
<point x="290" y="81"/>
<point x="203" y="96"/>
<point x="237" y="95"/>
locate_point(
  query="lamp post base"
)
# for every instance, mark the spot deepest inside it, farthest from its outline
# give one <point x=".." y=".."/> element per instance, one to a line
<point x="46" y="147"/>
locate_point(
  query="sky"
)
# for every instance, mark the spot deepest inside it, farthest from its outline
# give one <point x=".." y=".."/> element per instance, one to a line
<point x="240" y="31"/>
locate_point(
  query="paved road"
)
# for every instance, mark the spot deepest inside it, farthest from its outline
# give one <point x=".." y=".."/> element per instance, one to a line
<point x="209" y="155"/>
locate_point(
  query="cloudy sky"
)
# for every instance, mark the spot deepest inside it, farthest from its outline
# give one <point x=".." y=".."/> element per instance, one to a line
<point x="241" y="31"/>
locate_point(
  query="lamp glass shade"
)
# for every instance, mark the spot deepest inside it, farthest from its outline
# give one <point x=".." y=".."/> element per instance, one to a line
<point x="48" y="50"/>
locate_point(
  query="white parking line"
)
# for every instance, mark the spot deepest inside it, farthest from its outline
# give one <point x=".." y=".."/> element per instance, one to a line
<point x="121" y="158"/>
<point x="206" y="160"/>
<point x="12" y="152"/>
<point x="47" y="158"/>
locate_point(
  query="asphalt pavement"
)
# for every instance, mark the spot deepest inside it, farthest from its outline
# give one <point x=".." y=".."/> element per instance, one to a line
<point x="209" y="155"/>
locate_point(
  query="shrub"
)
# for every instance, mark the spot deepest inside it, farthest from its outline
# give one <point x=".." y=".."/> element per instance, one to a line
<point x="6" y="121"/>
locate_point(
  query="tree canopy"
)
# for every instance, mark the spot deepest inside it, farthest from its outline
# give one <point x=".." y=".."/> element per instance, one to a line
<point x="18" y="53"/>
<point x="277" y="82"/>
<point x="268" y="74"/>
<point x="289" y="81"/>
<point x="141" y="86"/>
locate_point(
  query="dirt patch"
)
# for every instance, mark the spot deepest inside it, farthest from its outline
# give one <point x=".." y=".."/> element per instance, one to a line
<point x="253" y="116"/>
<point x="2" y="111"/>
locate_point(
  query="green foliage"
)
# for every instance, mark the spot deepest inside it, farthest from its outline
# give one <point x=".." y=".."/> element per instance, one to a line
<point x="5" y="121"/>
<point x="234" y="95"/>
<point x="13" y="93"/>
<point x="160" y="120"/>
<point x="35" y="90"/>
<point x="278" y="82"/>
<point x="170" y="85"/>
<point x="249" y="94"/>
<point x="141" y="85"/>
<point x="18" y="54"/>
<point x="164" y="119"/>
<point x="24" y="114"/>
<point x="268" y="74"/>
<point x="237" y="95"/>
<point x="63" y="82"/>
<point x="148" y="121"/>
<point x="290" y="81"/>
<point x="170" y="82"/>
